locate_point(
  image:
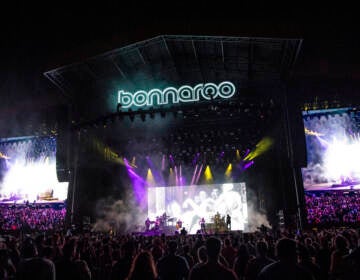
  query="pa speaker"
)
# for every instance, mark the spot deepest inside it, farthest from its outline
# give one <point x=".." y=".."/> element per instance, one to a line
<point x="63" y="145"/>
<point x="297" y="135"/>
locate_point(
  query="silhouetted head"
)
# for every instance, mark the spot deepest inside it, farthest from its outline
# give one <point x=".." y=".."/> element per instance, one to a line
<point x="143" y="267"/>
<point x="262" y="248"/>
<point x="213" y="246"/>
<point x="286" y="249"/>
<point x="128" y="249"/>
<point x="172" y="246"/>
<point x="201" y="253"/>
<point x="303" y="252"/>
<point x="341" y="243"/>
<point x="29" y="249"/>
<point x="227" y="242"/>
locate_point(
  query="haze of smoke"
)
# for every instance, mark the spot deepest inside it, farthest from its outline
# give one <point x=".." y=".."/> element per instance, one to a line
<point x="255" y="217"/>
<point x="122" y="216"/>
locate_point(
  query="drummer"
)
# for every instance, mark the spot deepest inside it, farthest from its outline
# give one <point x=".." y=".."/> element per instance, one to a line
<point x="163" y="219"/>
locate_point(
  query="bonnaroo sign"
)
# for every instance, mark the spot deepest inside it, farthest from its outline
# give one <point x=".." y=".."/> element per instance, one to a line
<point x="208" y="91"/>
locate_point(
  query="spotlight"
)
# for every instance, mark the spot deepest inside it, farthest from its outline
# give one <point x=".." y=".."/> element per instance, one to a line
<point x="228" y="170"/>
<point x="208" y="174"/>
<point x="150" y="178"/>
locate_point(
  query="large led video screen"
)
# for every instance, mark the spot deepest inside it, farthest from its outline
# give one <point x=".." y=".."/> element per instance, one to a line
<point x="192" y="203"/>
<point x="333" y="149"/>
<point x="28" y="171"/>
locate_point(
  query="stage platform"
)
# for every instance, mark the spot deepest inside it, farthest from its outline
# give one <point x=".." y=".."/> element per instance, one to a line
<point x="331" y="187"/>
<point x="172" y="231"/>
<point x="37" y="202"/>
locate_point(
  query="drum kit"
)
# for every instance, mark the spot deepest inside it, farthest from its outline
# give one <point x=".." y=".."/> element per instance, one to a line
<point x="161" y="222"/>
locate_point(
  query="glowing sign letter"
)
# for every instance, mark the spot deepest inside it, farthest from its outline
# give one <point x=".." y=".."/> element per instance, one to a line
<point x="125" y="98"/>
<point x="208" y="91"/>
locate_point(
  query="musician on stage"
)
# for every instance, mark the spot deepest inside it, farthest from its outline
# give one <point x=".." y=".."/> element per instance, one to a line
<point x="228" y="222"/>
<point x="147" y="224"/>
<point x="178" y="224"/>
<point x="202" y="225"/>
<point x="164" y="219"/>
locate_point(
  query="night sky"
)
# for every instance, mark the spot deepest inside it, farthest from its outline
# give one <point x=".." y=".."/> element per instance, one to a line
<point x="36" y="39"/>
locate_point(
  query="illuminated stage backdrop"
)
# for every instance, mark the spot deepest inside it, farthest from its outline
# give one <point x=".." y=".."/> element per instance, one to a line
<point x="28" y="171"/>
<point x="191" y="203"/>
<point x="333" y="149"/>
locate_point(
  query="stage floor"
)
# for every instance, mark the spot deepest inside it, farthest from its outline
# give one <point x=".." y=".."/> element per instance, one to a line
<point x="23" y="202"/>
<point x="332" y="187"/>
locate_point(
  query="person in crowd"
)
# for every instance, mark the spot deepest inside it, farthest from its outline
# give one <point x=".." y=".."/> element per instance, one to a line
<point x="172" y="266"/>
<point x="32" y="266"/>
<point x="228" y="252"/>
<point x="186" y="254"/>
<point x="257" y="264"/>
<point x="212" y="269"/>
<point x="7" y="268"/>
<point x="337" y="264"/>
<point x="323" y="255"/>
<point x="201" y="255"/>
<point x="65" y="267"/>
<point x="286" y="267"/>
<point x="143" y="267"/>
<point x="122" y="267"/>
<point x="241" y="261"/>
<point x="306" y="262"/>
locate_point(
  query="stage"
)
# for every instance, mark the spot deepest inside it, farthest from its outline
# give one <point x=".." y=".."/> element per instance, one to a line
<point x="171" y="231"/>
<point x="347" y="186"/>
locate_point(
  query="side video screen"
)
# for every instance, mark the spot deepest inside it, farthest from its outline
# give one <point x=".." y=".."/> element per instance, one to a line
<point x="28" y="171"/>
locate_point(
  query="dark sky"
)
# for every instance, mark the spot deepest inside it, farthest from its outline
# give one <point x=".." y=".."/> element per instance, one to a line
<point x="39" y="38"/>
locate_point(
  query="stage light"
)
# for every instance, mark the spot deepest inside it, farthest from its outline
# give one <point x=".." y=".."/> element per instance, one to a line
<point x="133" y="161"/>
<point x="228" y="170"/>
<point x="208" y="174"/>
<point x="248" y="164"/>
<point x="172" y="177"/>
<point x="261" y="147"/>
<point x="150" y="178"/>
<point x="238" y="157"/>
<point x="163" y="163"/>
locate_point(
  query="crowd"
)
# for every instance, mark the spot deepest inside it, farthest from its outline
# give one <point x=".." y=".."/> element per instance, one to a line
<point x="326" y="254"/>
<point x="31" y="218"/>
<point x="333" y="208"/>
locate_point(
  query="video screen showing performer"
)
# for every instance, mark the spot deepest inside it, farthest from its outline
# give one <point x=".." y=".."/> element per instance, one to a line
<point x="333" y="149"/>
<point x="191" y="204"/>
<point x="28" y="171"/>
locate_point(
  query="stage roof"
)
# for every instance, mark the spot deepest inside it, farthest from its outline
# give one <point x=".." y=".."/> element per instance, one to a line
<point x="171" y="60"/>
